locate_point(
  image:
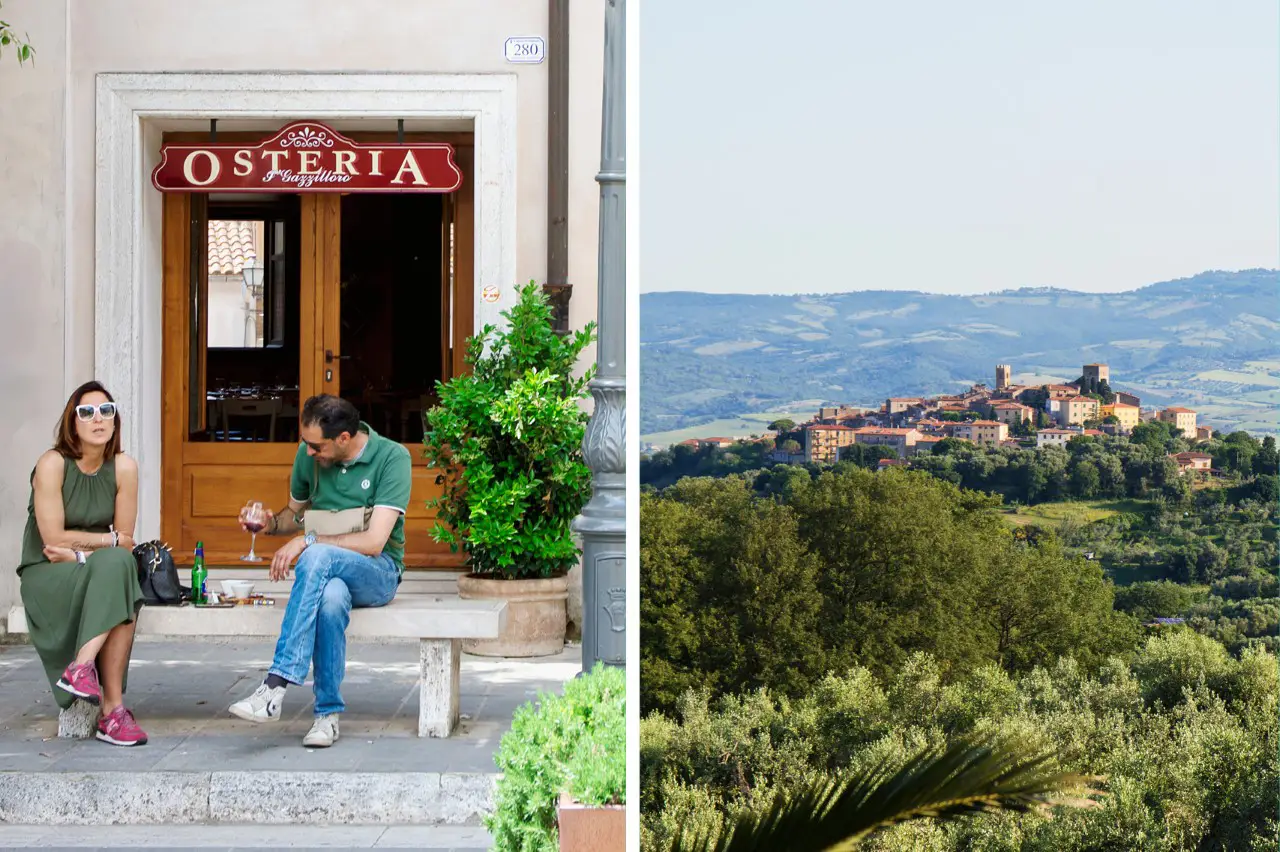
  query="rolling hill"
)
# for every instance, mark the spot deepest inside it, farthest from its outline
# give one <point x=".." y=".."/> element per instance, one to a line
<point x="1210" y="342"/>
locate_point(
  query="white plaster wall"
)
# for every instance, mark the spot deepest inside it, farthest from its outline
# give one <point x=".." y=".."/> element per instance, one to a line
<point x="48" y="155"/>
<point x="228" y="312"/>
<point x="32" y="257"/>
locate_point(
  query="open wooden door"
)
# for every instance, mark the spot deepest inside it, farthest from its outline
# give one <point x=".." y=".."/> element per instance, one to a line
<point x="395" y="279"/>
<point x="271" y="299"/>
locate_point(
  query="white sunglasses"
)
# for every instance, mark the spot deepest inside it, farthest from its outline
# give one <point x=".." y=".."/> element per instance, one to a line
<point x="86" y="412"/>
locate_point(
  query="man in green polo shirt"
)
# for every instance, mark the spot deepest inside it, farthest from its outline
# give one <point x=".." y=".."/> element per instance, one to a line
<point x="345" y="477"/>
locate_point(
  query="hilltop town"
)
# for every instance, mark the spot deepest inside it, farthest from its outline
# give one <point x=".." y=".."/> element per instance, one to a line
<point x="1005" y="415"/>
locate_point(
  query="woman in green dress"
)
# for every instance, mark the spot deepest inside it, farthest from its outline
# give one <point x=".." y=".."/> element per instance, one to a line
<point x="78" y="575"/>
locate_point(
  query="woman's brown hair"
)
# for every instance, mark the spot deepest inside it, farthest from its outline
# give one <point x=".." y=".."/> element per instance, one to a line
<point x="65" y="438"/>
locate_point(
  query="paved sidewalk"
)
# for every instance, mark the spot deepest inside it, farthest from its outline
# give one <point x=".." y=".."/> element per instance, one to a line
<point x="455" y="838"/>
<point x="218" y="769"/>
<point x="180" y="691"/>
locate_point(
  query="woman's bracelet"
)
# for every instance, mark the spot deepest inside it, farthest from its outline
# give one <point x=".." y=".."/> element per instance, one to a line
<point x="275" y="525"/>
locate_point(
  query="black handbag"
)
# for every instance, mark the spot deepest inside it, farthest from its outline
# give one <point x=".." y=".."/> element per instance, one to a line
<point x="158" y="576"/>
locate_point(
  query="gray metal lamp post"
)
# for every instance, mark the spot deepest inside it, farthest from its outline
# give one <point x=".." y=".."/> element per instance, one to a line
<point x="603" y="522"/>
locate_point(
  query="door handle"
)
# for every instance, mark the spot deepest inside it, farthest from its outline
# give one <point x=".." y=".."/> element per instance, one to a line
<point x="329" y="357"/>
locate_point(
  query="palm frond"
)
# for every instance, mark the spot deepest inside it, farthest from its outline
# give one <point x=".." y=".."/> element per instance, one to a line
<point x="967" y="777"/>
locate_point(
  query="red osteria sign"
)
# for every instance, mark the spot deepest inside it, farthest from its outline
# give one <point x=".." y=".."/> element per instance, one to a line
<point x="307" y="156"/>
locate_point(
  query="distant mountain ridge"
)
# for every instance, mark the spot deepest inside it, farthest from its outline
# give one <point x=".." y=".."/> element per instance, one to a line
<point x="1210" y="342"/>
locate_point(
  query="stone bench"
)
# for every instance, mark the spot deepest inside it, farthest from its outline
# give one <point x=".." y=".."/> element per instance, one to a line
<point x="439" y="623"/>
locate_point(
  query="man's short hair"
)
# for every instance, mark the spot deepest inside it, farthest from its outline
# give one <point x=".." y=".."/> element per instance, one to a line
<point x="333" y="414"/>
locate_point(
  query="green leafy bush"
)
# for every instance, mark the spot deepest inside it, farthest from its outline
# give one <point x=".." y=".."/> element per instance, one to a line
<point x="575" y="743"/>
<point x="507" y="436"/>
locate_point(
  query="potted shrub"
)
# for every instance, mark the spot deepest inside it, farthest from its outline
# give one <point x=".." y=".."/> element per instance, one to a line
<point x="564" y="767"/>
<point x="507" y="436"/>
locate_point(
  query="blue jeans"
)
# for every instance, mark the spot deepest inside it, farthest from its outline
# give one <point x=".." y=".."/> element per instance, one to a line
<point x="328" y="581"/>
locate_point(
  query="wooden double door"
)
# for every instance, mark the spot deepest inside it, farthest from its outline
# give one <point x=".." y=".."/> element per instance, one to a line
<point x="270" y="300"/>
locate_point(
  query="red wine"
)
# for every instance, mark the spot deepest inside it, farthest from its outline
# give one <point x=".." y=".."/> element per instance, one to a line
<point x="253" y="527"/>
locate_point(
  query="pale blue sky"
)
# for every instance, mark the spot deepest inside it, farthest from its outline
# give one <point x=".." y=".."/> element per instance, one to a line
<point x="962" y="147"/>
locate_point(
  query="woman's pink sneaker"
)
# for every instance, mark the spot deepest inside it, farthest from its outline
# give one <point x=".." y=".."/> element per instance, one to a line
<point x="81" y="680"/>
<point x="120" y="729"/>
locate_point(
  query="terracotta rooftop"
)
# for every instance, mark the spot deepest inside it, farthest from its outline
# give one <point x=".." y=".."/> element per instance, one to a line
<point x="821" y="427"/>
<point x="1180" y="410"/>
<point x="981" y="423"/>
<point x="231" y="243"/>
<point x="1190" y="456"/>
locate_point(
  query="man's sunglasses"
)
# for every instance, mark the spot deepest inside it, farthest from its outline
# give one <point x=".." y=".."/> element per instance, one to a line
<point x="86" y="411"/>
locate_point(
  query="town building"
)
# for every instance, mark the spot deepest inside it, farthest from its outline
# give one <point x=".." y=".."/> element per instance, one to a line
<point x="1055" y="437"/>
<point x="822" y="442"/>
<point x="1074" y="411"/>
<point x="901" y="440"/>
<point x="831" y="414"/>
<point x="216" y="242"/>
<point x="1183" y="419"/>
<point x="1128" y="399"/>
<point x="1013" y="412"/>
<point x="987" y="433"/>
<point x="1204" y="433"/>
<point x="1193" y="462"/>
<point x="1128" y="415"/>
<point x="929" y="426"/>
<point x="899" y="405"/>
<point x="925" y="443"/>
<point x="1004" y="375"/>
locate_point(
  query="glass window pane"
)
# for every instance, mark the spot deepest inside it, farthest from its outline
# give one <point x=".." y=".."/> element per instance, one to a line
<point x="251" y="342"/>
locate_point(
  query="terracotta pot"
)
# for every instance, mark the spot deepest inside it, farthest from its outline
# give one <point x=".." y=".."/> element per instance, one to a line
<point x="586" y="828"/>
<point x="536" y="615"/>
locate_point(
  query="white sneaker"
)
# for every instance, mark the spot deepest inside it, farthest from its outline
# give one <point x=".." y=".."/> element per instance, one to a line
<point x="262" y="706"/>
<point x="323" y="733"/>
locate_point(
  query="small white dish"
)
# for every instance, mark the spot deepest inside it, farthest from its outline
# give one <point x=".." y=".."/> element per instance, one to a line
<point x="237" y="588"/>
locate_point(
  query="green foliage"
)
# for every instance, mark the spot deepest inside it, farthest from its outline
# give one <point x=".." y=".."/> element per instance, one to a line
<point x="940" y="783"/>
<point x="1088" y="468"/>
<point x="574" y="742"/>
<point x="771" y="581"/>
<point x="21" y="45"/>
<point x="1184" y="734"/>
<point x="507" y="436"/>
<point x="867" y="456"/>
<point x="729" y="595"/>
<point x="1159" y="599"/>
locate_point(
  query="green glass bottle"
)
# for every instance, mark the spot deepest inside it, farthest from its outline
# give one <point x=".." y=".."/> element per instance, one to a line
<point x="198" y="576"/>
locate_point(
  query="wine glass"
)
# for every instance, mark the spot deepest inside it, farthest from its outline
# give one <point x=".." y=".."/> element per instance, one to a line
<point x="254" y="519"/>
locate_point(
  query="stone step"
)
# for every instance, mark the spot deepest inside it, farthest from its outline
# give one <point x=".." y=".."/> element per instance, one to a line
<point x="461" y="838"/>
<point x="249" y="797"/>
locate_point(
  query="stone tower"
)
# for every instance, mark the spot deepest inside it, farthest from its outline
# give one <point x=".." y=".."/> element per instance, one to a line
<point x="1003" y="374"/>
<point x="1095" y="374"/>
